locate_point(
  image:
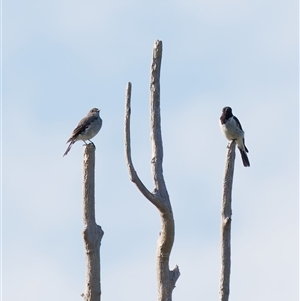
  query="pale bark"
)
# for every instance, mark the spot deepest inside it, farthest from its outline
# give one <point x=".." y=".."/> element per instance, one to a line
<point x="166" y="278"/>
<point x="226" y="223"/>
<point x="92" y="233"/>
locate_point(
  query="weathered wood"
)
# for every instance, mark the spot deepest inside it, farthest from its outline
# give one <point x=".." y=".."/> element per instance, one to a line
<point x="226" y="213"/>
<point x="166" y="279"/>
<point x="92" y="233"/>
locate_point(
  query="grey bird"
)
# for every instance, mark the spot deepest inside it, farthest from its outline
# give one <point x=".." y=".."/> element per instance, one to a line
<point x="87" y="128"/>
<point x="233" y="130"/>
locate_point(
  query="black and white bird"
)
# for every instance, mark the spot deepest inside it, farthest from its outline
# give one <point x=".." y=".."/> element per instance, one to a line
<point x="233" y="130"/>
<point x="87" y="128"/>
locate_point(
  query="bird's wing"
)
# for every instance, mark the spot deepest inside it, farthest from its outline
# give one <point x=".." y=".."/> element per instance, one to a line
<point x="82" y="125"/>
<point x="238" y="123"/>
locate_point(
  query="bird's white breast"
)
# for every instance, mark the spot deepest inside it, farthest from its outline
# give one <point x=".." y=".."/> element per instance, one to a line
<point x="231" y="130"/>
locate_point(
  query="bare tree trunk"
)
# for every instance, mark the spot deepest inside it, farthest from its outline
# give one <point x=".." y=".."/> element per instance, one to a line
<point x="226" y="223"/>
<point x="159" y="197"/>
<point x="92" y="232"/>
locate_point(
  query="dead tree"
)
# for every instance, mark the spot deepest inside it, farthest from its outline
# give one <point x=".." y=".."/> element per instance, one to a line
<point x="226" y="223"/>
<point x="92" y="233"/>
<point x="166" y="278"/>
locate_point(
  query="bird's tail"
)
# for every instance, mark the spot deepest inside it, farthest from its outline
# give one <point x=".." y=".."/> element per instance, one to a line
<point x="245" y="157"/>
<point x="69" y="147"/>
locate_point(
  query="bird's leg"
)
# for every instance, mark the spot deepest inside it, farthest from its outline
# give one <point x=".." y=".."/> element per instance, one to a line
<point x="84" y="143"/>
<point x="228" y="145"/>
<point x="92" y="143"/>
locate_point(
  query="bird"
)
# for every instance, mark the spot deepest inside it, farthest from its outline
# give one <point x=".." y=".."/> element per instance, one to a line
<point x="87" y="128"/>
<point x="233" y="130"/>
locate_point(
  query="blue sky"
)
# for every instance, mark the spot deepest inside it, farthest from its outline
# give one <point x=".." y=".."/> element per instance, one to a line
<point x="62" y="58"/>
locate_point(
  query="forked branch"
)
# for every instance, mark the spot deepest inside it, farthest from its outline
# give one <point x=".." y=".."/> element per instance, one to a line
<point x="159" y="197"/>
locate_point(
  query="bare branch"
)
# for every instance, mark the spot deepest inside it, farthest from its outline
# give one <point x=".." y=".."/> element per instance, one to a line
<point x="92" y="232"/>
<point x="166" y="279"/>
<point x="156" y="137"/>
<point x="133" y="174"/>
<point x="226" y="223"/>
